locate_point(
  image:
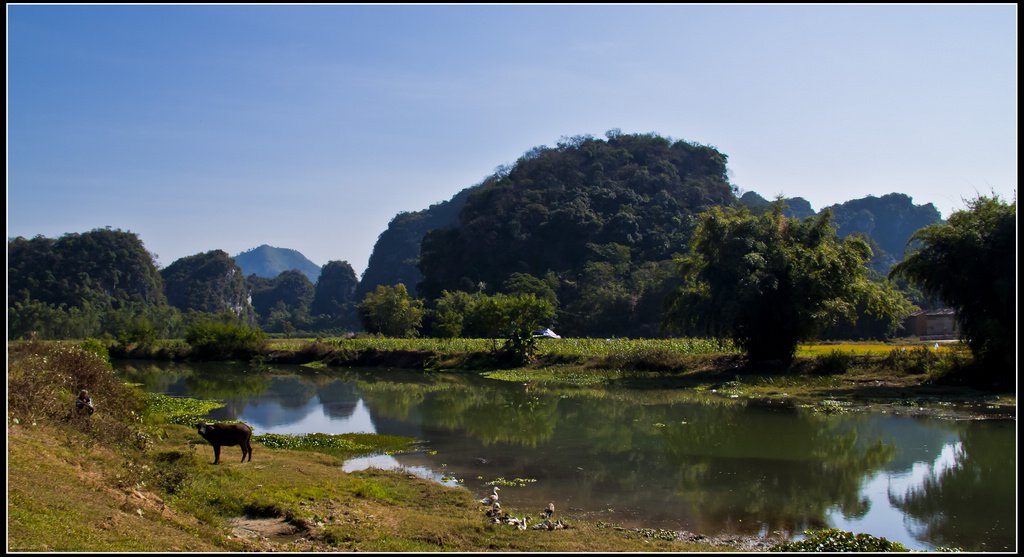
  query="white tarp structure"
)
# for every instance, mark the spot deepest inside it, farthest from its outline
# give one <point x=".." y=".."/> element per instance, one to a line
<point x="546" y="333"/>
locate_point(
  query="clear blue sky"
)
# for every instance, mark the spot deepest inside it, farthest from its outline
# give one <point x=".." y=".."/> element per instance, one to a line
<point x="311" y="127"/>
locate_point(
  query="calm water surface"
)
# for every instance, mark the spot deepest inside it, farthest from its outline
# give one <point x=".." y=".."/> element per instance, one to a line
<point x="659" y="459"/>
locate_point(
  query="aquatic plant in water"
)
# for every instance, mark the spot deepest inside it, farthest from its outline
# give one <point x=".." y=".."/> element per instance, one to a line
<point x="180" y="410"/>
<point x="341" y="445"/>
<point x="521" y="482"/>
<point x="834" y="539"/>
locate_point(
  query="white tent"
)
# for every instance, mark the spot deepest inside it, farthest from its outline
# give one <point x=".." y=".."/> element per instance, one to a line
<point x="546" y="333"/>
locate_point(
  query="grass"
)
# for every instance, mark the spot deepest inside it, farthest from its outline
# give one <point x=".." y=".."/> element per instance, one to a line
<point x="870" y="348"/>
<point x="63" y="497"/>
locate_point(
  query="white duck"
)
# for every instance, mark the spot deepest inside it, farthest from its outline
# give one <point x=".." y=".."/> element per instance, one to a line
<point x="490" y="499"/>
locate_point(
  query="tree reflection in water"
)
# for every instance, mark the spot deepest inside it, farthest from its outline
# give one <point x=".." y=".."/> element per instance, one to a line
<point x="779" y="471"/>
<point x="955" y="502"/>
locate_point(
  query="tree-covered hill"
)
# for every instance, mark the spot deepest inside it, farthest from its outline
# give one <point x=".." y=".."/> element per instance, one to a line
<point x="268" y="262"/>
<point x="887" y="222"/>
<point x="209" y="282"/>
<point x="890" y="220"/>
<point x="77" y="268"/>
<point x="796" y="207"/>
<point x="397" y="251"/>
<point x="634" y="191"/>
<point x="335" y="290"/>
<point x="101" y="281"/>
<point x="599" y="220"/>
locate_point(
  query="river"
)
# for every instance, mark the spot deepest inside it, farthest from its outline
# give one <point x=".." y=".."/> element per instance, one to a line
<point x="674" y="459"/>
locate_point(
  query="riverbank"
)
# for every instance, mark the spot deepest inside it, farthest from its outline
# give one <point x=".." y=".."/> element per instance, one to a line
<point x="849" y="371"/>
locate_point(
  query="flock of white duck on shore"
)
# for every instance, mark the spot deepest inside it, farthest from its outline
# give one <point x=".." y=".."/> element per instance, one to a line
<point x="497" y="516"/>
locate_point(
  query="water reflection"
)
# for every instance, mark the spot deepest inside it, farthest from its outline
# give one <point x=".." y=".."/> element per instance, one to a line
<point x="968" y="493"/>
<point x="670" y="459"/>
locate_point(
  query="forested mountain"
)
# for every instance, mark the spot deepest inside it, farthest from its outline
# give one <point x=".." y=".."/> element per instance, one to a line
<point x="545" y="213"/>
<point x="267" y="261"/>
<point x="335" y="290"/>
<point x="80" y="284"/>
<point x="209" y="282"/>
<point x="290" y="303"/>
<point x="888" y="222"/>
<point x="599" y="220"/>
<point x="77" y="268"/>
<point x="397" y="251"/>
<point x="282" y="299"/>
<point x="797" y="207"/>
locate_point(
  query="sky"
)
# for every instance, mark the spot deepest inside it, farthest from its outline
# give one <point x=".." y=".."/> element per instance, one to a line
<point x="311" y="127"/>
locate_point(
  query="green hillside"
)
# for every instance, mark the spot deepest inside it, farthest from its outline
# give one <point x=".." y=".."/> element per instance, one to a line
<point x="597" y="220"/>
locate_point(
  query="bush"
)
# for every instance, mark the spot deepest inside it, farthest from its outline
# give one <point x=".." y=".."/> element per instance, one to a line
<point x="96" y="347"/>
<point x="44" y="378"/>
<point x="313" y="351"/>
<point x="141" y="333"/>
<point x="210" y="340"/>
<point x="834" y="363"/>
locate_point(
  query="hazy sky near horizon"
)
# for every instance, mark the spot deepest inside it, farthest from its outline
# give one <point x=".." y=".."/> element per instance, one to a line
<point x="311" y="127"/>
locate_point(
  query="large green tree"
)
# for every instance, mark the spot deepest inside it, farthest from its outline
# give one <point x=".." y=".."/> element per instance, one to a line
<point x="390" y="311"/>
<point x="970" y="263"/>
<point x="768" y="282"/>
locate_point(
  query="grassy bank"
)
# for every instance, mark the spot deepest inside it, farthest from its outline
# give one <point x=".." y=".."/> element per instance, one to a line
<point x="849" y="371"/>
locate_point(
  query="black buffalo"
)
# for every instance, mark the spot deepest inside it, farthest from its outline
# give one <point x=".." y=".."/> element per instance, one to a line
<point x="229" y="435"/>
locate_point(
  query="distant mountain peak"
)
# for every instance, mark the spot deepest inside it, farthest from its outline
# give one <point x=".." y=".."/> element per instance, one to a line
<point x="269" y="261"/>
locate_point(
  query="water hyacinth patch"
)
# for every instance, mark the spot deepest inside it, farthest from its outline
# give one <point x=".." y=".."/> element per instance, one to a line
<point x="834" y="539"/>
<point x="831" y="407"/>
<point x="521" y="482"/>
<point x="312" y="441"/>
<point x="180" y="410"/>
<point x="345" y="445"/>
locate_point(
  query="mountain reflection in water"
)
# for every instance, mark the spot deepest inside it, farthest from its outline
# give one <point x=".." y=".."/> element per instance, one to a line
<point x="660" y="459"/>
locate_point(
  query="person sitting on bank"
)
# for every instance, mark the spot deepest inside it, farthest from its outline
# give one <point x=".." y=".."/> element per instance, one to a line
<point x="83" y="402"/>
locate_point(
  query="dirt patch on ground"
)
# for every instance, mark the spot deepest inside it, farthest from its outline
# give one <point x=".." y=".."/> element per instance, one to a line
<point x="731" y="542"/>
<point x="734" y="542"/>
<point x="272" y="534"/>
<point x="273" y="529"/>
